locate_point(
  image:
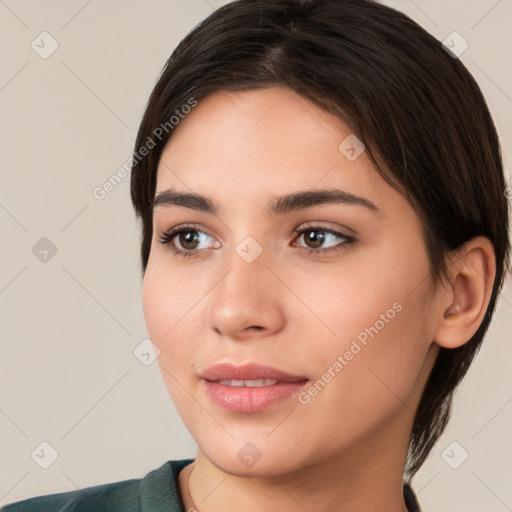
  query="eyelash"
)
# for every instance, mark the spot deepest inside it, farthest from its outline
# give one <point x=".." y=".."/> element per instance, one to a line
<point x="168" y="236"/>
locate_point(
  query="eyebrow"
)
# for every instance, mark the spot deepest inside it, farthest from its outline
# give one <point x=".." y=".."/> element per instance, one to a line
<point x="277" y="206"/>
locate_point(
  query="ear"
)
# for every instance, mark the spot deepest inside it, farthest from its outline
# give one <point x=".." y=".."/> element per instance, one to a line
<point x="465" y="299"/>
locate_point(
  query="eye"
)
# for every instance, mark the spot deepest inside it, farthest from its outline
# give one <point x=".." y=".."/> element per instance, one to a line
<point x="316" y="238"/>
<point x="187" y="240"/>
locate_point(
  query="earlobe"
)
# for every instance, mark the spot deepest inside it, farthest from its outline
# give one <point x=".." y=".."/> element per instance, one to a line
<point x="466" y="298"/>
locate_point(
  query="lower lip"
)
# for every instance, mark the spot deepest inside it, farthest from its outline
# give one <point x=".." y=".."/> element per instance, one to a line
<point x="245" y="399"/>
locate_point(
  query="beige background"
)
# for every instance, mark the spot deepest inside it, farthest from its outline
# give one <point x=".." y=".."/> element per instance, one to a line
<point x="68" y="374"/>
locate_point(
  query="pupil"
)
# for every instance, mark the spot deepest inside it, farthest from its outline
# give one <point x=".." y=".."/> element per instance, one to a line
<point x="189" y="237"/>
<point x="315" y="238"/>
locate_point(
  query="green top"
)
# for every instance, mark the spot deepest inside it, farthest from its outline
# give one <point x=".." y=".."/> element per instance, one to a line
<point x="156" y="492"/>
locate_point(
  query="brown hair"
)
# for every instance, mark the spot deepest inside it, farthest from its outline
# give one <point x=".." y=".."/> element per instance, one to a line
<point x="416" y="107"/>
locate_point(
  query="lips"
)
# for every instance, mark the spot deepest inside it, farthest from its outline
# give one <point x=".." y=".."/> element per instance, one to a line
<point x="249" y="388"/>
<point x="251" y="371"/>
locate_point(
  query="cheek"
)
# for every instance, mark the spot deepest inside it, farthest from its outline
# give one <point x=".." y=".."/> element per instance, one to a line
<point x="375" y="316"/>
<point x="170" y="309"/>
<point x="171" y="306"/>
<point x="382" y="328"/>
<point x="365" y="375"/>
<point x="363" y="291"/>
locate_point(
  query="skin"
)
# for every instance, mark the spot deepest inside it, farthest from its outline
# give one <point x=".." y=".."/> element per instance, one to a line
<point x="298" y="310"/>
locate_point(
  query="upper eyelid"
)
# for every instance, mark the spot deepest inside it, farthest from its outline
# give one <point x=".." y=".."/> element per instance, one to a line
<point x="340" y="234"/>
<point x="309" y="225"/>
<point x="172" y="233"/>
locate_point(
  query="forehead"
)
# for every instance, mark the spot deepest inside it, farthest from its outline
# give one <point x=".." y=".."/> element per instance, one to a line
<point x="270" y="136"/>
<point x="244" y="152"/>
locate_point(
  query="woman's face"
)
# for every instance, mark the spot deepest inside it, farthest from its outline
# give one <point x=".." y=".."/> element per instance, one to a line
<point x="343" y="309"/>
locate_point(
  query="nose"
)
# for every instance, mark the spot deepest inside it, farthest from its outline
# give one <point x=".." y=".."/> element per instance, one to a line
<point x="246" y="303"/>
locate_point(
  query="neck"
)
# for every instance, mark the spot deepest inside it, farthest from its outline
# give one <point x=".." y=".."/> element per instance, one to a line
<point x="368" y="477"/>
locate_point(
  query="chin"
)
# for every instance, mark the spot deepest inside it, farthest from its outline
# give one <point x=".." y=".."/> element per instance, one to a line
<point x="274" y="466"/>
<point x="258" y="458"/>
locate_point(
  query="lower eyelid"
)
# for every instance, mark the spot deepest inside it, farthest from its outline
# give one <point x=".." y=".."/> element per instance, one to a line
<point x="167" y="238"/>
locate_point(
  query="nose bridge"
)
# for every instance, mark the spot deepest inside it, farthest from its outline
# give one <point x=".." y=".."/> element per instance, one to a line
<point x="242" y="285"/>
<point x="249" y="258"/>
<point x="244" y="298"/>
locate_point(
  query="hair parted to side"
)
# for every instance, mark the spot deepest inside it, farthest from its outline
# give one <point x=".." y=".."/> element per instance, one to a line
<point x="420" y="113"/>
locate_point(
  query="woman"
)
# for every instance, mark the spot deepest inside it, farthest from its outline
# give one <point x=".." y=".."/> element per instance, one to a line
<point x="324" y="238"/>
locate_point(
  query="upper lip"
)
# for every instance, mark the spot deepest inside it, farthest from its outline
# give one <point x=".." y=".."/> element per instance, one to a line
<point x="249" y="371"/>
